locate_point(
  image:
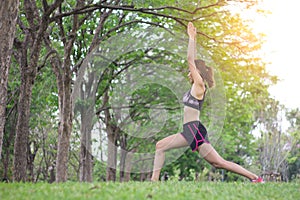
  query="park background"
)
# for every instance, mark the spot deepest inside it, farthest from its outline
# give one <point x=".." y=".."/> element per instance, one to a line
<point x="62" y="117"/>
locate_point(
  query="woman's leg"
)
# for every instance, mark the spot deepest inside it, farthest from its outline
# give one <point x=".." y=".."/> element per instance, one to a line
<point x="170" y="142"/>
<point x="212" y="156"/>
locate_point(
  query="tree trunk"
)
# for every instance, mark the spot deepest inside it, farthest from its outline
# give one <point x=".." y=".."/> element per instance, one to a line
<point x="32" y="150"/>
<point x="128" y="165"/>
<point x="123" y="155"/>
<point x="22" y="130"/>
<point x="7" y="144"/>
<point x="111" y="157"/>
<point x="52" y="174"/>
<point x="87" y="91"/>
<point x="142" y="176"/>
<point x="31" y="45"/>
<point x="111" y="146"/>
<point x="8" y="15"/>
<point x="64" y="132"/>
<point x="64" y="85"/>
<point x="6" y="158"/>
<point x="111" y="154"/>
<point x="122" y="165"/>
<point x="197" y="174"/>
<point x="86" y="161"/>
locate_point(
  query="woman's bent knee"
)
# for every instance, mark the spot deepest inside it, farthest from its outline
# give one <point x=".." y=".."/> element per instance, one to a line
<point x="160" y="145"/>
<point x="220" y="164"/>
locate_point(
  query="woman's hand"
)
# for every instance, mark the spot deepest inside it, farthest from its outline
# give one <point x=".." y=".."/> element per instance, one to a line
<point x="191" y="30"/>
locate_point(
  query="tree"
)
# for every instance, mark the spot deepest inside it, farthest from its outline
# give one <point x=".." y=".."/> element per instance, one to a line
<point x="83" y="26"/>
<point x="293" y="159"/>
<point x="275" y="143"/>
<point x="8" y="16"/>
<point x="219" y="41"/>
<point x="29" y="44"/>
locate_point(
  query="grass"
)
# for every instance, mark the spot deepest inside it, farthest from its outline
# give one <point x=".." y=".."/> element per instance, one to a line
<point x="145" y="190"/>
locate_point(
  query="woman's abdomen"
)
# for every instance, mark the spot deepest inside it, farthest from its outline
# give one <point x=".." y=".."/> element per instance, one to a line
<point x="190" y="114"/>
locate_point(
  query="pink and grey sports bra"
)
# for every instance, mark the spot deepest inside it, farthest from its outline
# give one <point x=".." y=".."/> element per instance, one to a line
<point x="191" y="101"/>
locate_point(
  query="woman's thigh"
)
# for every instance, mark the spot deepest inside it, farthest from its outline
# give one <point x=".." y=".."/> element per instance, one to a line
<point x="172" y="142"/>
<point x="208" y="152"/>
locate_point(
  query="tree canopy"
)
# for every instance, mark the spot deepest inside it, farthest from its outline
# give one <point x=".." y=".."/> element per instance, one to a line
<point x="92" y="85"/>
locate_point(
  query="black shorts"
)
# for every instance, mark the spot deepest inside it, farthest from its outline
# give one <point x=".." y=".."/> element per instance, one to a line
<point x="195" y="134"/>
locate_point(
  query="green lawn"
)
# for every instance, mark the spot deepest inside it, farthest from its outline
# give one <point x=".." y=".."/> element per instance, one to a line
<point x="146" y="190"/>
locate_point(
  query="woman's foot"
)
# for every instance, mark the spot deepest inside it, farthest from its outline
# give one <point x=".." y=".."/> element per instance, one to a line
<point x="258" y="180"/>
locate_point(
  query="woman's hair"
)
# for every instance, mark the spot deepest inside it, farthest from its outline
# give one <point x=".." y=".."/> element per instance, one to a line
<point x="207" y="73"/>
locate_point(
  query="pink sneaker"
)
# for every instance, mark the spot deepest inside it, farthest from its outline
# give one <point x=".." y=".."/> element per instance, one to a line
<point x="258" y="180"/>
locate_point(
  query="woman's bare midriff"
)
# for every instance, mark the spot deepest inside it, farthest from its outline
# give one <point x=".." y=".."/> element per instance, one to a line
<point x="190" y="114"/>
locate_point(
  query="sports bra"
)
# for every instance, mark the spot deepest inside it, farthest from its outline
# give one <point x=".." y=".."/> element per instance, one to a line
<point x="191" y="101"/>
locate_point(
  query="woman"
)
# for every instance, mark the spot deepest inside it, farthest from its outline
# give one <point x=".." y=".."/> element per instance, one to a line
<point x="194" y="133"/>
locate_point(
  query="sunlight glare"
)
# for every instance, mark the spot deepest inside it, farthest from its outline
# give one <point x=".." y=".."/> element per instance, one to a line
<point x="282" y="47"/>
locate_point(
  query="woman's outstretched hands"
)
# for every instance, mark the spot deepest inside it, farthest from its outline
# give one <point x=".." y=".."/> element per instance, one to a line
<point x="191" y="30"/>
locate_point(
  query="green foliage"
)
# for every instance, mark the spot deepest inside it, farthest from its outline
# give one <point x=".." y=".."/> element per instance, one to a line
<point x="293" y="116"/>
<point x="99" y="172"/>
<point x="231" y="45"/>
<point x="225" y="41"/>
<point x="188" y="164"/>
<point x="161" y="98"/>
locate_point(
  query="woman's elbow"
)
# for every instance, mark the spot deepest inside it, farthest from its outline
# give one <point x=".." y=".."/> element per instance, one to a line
<point x="190" y="57"/>
<point x="190" y="61"/>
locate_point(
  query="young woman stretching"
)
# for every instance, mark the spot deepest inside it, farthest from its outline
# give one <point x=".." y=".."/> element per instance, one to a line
<point x="194" y="133"/>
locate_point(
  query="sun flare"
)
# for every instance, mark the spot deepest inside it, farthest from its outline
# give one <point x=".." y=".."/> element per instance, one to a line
<point x="281" y="48"/>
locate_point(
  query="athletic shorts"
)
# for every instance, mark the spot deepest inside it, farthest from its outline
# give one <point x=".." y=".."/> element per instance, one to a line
<point x="195" y="134"/>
